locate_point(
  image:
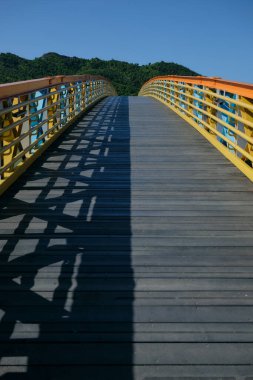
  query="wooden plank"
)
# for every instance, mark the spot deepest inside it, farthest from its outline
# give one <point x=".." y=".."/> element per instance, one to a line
<point x="127" y="252"/>
<point x="144" y="353"/>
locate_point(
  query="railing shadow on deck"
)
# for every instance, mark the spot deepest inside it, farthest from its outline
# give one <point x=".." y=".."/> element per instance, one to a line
<point x="66" y="277"/>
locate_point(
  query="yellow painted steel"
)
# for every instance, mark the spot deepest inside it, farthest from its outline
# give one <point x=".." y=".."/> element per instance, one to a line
<point x="223" y="117"/>
<point x="30" y="122"/>
<point x="247" y="114"/>
<point x="52" y="102"/>
<point x="11" y="145"/>
<point x="71" y="93"/>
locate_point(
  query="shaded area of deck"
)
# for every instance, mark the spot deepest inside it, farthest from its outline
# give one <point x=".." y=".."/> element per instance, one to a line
<point x="127" y="253"/>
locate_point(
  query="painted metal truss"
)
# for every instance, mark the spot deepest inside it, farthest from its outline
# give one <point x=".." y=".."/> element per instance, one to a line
<point x="220" y="110"/>
<point x="34" y="113"/>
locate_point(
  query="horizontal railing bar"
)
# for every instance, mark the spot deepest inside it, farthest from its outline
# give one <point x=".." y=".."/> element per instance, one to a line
<point x="214" y="94"/>
<point x="236" y="147"/>
<point x="29" y="132"/>
<point x="225" y="120"/>
<point x="226" y="98"/>
<point x="19" y="156"/>
<point x="31" y="115"/>
<point x="27" y="149"/>
<point x="62" y="101"/>
<point x="32" y="129"/>
<point x="23" y="136"/>
<point x="45" y="96"/>
<point x="19" y="88"/>
<point x="26" y="118"/>
<point x="220" y="121"/>
<point x="209" y="104"/>
<point x="239" y="88"/>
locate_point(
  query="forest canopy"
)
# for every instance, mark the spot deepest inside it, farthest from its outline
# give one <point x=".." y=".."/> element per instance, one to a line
<point x="126" y="77"/>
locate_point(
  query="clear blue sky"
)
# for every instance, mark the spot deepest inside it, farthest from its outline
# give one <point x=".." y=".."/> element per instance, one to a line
<point x="212" y="37"/>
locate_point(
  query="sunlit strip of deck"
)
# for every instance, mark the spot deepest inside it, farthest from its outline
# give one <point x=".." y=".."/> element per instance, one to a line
<point x="127" y="253"/>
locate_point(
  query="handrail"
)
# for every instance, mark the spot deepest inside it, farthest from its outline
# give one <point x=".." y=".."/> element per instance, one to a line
<point x="34" y="113"/>
<point x="221" y="110"/>
<point x="23" y="87"/>
<point x="239" y="88"/>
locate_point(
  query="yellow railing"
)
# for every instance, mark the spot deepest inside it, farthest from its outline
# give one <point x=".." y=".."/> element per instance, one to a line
<point x="222" y="111"/>
<point x="35" y="112"/>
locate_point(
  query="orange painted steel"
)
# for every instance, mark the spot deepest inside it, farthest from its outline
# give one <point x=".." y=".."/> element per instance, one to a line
<point x="221" y="110"/>
<point x="18" y="88"/>
<point x="34" y="113"/>
<point x="239" y="88"/>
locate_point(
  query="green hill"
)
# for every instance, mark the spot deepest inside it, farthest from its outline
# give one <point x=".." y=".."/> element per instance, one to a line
<point x="126" y="77"/>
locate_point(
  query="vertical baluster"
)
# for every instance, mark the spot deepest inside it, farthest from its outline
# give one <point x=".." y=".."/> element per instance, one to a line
<point x="247" y="114"/>
<point x="210" y="99"/>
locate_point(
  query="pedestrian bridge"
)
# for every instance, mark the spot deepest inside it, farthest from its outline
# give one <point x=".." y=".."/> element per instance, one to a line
<point x="126" y="230"/>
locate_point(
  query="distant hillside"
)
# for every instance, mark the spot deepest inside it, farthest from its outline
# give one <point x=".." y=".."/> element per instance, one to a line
<point x="126" y="77"/>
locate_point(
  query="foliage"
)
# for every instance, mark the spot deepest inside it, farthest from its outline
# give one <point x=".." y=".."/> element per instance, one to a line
<point x="126" y="77"/>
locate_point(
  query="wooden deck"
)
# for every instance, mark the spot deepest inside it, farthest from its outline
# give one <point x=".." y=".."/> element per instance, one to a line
<point x="127" y="253"/>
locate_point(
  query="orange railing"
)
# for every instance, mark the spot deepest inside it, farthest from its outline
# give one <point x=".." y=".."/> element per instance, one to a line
<point x="220" y="110"/>
<point x="33" y="113"/>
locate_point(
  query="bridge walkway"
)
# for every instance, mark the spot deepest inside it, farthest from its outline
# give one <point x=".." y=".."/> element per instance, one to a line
<point x="127" y="253"/>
